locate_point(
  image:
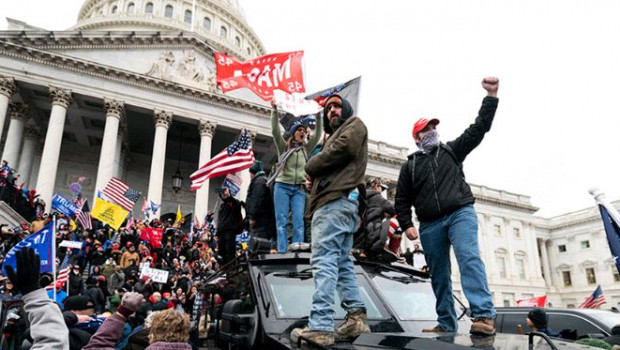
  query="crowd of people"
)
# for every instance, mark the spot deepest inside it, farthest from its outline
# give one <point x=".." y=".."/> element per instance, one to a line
<point x="316" y="192"/>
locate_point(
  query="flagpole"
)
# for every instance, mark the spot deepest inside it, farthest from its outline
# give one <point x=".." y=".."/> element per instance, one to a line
<point x="54" y="255"/>
<point x="599" y="197"/>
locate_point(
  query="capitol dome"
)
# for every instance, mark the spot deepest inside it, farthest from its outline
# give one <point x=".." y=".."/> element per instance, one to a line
<point x="221" y="22"/>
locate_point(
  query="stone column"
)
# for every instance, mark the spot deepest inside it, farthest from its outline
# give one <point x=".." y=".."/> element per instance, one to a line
<point x="545" y="263"/>
<point x="162" y="120"/>
<point x="46" y="180"/>
<point x="118" y="171"/>
<point x="19" y="113"/>
<point x="114" y="112"/>
<point x="245" y="174"/>
<point x="31" y="137"/>
<point x="7" y="89"/>
<point x="207" y="130"/>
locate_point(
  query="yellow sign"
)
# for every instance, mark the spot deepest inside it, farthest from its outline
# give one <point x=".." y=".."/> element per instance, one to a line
<point x="109" y="213"/>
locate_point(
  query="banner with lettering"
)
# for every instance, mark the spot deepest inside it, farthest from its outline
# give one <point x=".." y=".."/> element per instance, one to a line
<point x="63" y="205"/>
<point x="109" y="213"/>
<point x="263" y="74"/>
<point x="295" y="105"/>
<point x="41" y="241"/>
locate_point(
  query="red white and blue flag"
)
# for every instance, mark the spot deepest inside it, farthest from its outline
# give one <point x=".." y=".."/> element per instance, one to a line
<point x="83" y="213"/>
<point x="236" y="157"/>
<point x="119" y="192"/>
<point x="595" y="300"/>
<point x="63" y="273"/>
<point x="233" y="183"/>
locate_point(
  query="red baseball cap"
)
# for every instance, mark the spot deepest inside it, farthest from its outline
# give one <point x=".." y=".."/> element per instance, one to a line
<point x="421" y="124"/>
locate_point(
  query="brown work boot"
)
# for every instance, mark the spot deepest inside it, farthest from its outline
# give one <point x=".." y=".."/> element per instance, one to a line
<point x="353" y="326"/>
<point x="436" y="329"/>
<point x="325" y="338"/>
<point x="483" y="326"/>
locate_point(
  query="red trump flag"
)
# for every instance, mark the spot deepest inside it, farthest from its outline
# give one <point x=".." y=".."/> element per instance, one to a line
<point x="533" y="302"/>
<point x="263" y="74"/>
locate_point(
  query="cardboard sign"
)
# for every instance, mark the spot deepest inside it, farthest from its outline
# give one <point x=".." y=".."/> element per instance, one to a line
<point x="295" y="105"/>
<point x="71" y="244"/>
<point x="157" y="275"/>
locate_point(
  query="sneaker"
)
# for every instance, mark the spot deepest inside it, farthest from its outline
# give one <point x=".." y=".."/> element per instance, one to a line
<point x="483" y="326"/>
<point x="325" y="338"/>
<point x="436" y="329"/>
<point x="353" y="326"/>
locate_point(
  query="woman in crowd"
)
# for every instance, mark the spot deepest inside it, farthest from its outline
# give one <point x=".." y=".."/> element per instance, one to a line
<point x="289" y="195"/>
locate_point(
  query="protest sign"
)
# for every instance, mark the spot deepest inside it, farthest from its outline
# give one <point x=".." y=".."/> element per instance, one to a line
<point x="349" y="90"/>
<point x="71" y="244"/>
<point x="109" y="213"/>
<point x="157" y="275"/>
<point x="63" y="205"/>
<point x="262" y="74"/>
<point x="295" y="105"/>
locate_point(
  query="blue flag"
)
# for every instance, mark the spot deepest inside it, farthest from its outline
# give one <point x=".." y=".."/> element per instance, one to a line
<point x="41" y="242"/>
<point x="613" y="234"/>
<point x="63" y="205"/>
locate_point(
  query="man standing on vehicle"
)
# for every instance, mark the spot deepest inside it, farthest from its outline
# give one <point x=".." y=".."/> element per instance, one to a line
<point x="432" y="180"/>
<point x="335" y="179"/>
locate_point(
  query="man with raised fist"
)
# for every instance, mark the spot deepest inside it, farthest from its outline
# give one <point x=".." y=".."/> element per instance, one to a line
<point x="432" y="181"/>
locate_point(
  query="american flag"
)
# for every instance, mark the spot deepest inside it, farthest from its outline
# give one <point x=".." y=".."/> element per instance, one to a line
<point x="121" y="193"/>
<point x="63" y="273"/>
<point x="595" y="300"/>
<point x="233" y="183"/>
<point x="83" y="213"/>
<point x="236" y="157"/>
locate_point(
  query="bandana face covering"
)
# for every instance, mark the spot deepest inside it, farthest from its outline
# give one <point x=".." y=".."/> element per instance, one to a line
<point x="429" y="141"/>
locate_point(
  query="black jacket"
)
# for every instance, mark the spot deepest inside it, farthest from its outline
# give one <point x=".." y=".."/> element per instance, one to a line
<point x="378" y="206"/>
<point x="259" y="202"/>
<point x="434" y="183"/>
<point x="229" y="217"/>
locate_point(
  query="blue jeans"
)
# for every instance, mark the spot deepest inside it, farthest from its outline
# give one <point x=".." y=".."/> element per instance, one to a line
<point x="333" y="226"/>
<point x="459" y="229"/>
<point x="287" y="198"/>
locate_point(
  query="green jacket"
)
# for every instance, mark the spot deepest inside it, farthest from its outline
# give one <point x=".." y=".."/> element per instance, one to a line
<point x="293" y="173"/>
<point x="340" y="166"/>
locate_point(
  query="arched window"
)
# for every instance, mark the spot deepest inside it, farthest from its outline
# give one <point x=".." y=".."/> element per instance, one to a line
<point x="149" y="8"/>
<point x="168" y="12"/>
<point x="188" y="16"/>
<point x="131" y="8"/>
<point x="223" y="32"/>
<point x="206" y="23"/>
<point x="237" y="41"/>
<point x="114" y="9"/>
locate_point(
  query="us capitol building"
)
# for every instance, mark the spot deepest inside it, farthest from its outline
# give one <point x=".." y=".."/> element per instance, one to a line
<point x="130" y="91"/>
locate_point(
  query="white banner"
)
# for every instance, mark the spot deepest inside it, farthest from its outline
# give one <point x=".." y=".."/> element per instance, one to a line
<point x="295" y="105"/>
<point x="157" y="275"/>
<point x="71" y="244"/>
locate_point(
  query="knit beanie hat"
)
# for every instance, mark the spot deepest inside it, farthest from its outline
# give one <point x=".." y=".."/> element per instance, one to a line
<point x="256" y="167"/>
<point x="538" y="317"/>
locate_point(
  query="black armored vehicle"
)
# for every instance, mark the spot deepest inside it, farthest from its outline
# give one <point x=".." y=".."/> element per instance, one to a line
<point x="267" y="296"/>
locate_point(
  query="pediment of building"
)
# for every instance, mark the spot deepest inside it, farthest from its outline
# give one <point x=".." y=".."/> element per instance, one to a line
<point x="175" y="57"/>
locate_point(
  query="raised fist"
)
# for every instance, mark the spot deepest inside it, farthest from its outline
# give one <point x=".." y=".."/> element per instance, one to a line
<point x="132" y="301"/>
<point x="491" y="84"/>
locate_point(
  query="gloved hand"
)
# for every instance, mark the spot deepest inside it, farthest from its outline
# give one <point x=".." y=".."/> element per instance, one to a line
<point x="130" y="303"/>
<point x="26" y="278"/>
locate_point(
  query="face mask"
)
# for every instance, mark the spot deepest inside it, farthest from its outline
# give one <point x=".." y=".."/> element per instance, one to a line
<point x="429" y="141"/>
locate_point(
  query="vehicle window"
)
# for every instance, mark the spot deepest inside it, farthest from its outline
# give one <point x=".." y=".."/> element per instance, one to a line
<point x="561" y="322"/>
<point x="608" y="318"/>
<point x="293" y="297"/>
<point x="411" y="298"/>
<point x="511" y="321"/>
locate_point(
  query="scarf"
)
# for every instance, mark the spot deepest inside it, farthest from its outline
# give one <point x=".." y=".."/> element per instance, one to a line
<point x="429" y="141"/>
<point x="295" y="146"/>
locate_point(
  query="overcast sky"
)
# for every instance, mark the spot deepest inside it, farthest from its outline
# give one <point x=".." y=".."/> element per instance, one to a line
<point x="555" y="131"/>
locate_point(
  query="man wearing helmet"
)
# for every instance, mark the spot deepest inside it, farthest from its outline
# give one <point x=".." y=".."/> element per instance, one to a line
<point x="432" y="180"/>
